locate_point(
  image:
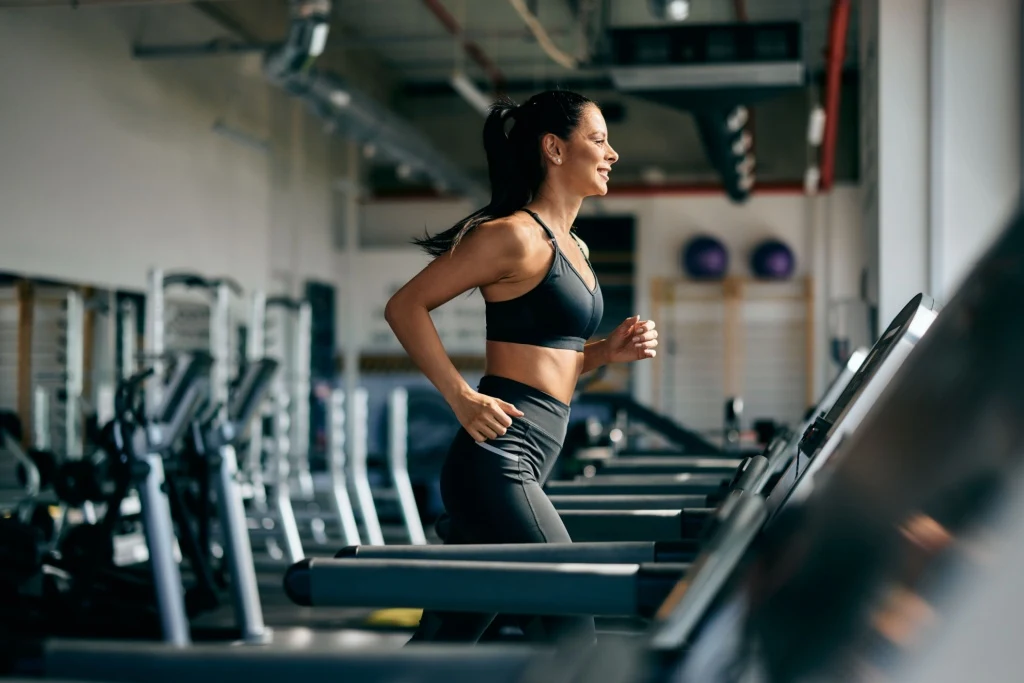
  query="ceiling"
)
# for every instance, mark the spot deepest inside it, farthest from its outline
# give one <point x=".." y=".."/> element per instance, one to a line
<point x="412" y="41"/>
<point x="402" y="54"/>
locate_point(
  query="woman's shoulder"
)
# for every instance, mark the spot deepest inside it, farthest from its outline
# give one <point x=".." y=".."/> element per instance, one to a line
<point x="515" y="231"/>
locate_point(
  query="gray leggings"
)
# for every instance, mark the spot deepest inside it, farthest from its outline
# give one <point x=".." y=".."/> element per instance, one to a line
<point x="492" y="494"/>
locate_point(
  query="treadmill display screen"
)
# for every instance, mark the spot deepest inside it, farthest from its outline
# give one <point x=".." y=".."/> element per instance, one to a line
<point x="902" y="328"/>
<point x="855" y="582"/>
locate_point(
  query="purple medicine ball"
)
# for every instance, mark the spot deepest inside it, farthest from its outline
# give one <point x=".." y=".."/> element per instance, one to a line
<point x="773" y="260"/>
<point x="705" y="258"/>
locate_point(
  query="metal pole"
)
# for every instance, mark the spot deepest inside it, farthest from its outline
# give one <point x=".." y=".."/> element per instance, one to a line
<point x="301" y="340"/>
<point x="357" y="468"/>
<point x="154" y="341"/>
<point x="220" y="349"/>
<point x="936" y="147"/>
<point x="336" y="467"/>
<point x="159" y="528"/>
<point x="73" y="380"/>
<point x="398" y="435"/>
<point x="248" y="609"/>
<point x="255" y="351"/>
<point x="352" y="330"/>
<point x="129" y="340"/>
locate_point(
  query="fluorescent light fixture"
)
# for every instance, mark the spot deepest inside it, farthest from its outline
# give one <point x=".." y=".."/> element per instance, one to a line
<point x="678" y="10"/>
<point x="816" y="126"/>
<point x="742" y="144"/>
<point x="318" y="41"/>
<point x="469" y="92"/>
<point x="340" y="99"/>
<point x="812" y="179"/>
<point x="738" y="118"/>
<point x="746" y="165"/>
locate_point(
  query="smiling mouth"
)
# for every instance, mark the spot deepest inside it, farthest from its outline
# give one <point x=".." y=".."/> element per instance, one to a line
<point x="603" y="173"/>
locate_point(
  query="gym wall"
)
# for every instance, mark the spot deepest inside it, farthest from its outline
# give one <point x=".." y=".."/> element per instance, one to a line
<point x="112" y="164"/>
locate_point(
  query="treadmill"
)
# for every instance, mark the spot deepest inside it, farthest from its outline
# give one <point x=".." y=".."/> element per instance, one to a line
<point x="586" y="579"/>
<point x="784" y="440"/>
<point x="910" y="324"/>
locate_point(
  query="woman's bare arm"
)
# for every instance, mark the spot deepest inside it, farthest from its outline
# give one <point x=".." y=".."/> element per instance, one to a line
<point x="490" y="253"/>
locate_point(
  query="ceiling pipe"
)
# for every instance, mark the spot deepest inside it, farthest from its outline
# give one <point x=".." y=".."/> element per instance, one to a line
<point x="352" y="113"/>
<point x="838" y="25"/>
<point x="474" y="51"/>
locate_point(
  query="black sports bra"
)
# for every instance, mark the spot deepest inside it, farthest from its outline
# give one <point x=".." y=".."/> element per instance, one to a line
<point x="559" y="313"/>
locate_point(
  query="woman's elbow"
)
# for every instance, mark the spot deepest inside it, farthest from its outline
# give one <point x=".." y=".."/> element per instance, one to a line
<point x="396" y="309"/>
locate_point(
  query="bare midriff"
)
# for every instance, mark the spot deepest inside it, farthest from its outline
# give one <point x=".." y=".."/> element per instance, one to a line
<point x="553" y="371"/>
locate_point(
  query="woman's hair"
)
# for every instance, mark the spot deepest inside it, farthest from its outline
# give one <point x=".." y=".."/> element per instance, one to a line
<point x="513" y="157"/>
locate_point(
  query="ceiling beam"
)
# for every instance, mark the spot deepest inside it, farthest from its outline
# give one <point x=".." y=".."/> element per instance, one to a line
<point x="471" y="48"/>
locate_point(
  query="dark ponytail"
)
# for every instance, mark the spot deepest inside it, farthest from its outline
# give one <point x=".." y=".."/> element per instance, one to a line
<point x="511" y="140"/>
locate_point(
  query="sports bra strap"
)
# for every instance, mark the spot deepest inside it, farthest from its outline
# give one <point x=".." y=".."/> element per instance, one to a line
<point x="546" y="228"/>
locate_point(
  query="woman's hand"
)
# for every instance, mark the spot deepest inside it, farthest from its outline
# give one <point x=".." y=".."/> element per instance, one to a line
<point x="632" y="340"/>
<point x="484" y="417"/>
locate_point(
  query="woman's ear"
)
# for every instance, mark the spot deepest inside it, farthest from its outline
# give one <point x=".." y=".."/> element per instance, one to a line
<point x="553" y="147"/>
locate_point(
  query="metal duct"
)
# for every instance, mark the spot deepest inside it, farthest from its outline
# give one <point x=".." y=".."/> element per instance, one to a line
<point x="352" y="113"/>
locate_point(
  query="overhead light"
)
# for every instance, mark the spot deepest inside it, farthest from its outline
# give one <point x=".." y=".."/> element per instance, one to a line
<point x="318" y="41"/>
<point x="678" y="10"/>
<point x="341" y="98"/>
<point x="812" y="178"/>
<point x="816" y="126"/>
<point x="653" y="175"/>
<point x="469" y="92"/>
<point x="369" y="150"/>
<point x="674" y="10"/>
<point x="404" y="171"/>
<point x="743" y="144"/>
<point x="738" y="118"/>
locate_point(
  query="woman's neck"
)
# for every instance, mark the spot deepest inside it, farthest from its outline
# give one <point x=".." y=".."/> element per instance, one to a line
<point x="557" y="209"/>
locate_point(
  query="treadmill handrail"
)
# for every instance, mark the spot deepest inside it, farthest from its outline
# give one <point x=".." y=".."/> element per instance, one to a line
<point x="686" y="605"/>
<point x="251" y="389"/>
<point x="689" y="441"/>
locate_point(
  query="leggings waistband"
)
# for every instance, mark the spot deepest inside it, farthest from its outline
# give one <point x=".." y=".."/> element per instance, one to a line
<point x="544" y="410"/>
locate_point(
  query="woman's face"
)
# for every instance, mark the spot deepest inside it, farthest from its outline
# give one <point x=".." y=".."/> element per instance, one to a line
<point x="584" y="161"/>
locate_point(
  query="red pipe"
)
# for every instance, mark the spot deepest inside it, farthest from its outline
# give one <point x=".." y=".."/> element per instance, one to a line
<point x="833" y="84"/>
<point x="740" y="7"/>
<point x="475" y="52"/>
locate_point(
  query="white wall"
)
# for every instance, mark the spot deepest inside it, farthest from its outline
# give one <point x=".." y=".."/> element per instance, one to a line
<point x="664" y="225"/>
<point x="941" y="115"/>
<point x="902" y="154"/>
<point x="109" y="165"/>
<point x="980" y="97"/>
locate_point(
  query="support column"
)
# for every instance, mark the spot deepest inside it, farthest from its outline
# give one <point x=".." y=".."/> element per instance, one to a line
<point x="978" y="128"/>
<point x="940" y="143"/>
<point x="350" y="282"/>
